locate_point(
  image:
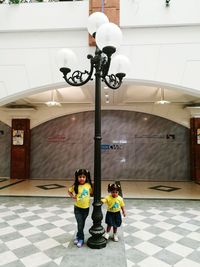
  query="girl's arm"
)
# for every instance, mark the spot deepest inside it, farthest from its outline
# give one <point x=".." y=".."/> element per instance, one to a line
<point x="92" y="191"/>
<point x="123" y="211"/>
<point x="71" y="195"/>
<point x="103" y="200"/>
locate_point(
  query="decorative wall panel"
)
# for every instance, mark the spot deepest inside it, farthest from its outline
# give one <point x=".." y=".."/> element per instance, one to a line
<point x="20" y="149"/>
<point x="135" y="146"/>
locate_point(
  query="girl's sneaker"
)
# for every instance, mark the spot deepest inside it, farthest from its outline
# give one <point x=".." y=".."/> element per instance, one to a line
<point x="115" y="238"/>
<point x="106" y="236"/>
<point x="80" y="243"/>
<point x="76" y="241"/>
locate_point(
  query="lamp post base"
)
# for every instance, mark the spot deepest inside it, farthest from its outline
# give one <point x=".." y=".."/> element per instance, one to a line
<point x="96" y="242"/>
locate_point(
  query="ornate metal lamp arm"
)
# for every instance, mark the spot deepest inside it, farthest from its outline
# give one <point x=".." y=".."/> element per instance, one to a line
<point x="114" y="81"/>
<point x="77" y="78"/>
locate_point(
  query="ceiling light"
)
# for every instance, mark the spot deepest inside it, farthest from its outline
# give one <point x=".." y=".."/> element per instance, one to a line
<point x="73" y="118"/>
<point x="52" y="102"/>
<point x="162" y="101"/>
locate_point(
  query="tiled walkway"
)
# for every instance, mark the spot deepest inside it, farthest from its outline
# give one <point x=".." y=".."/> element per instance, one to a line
<point x="131" y="189"/>
<point x="162" y="227"/>
<point x="162" y="233"/>
<point x="38" y="231"/>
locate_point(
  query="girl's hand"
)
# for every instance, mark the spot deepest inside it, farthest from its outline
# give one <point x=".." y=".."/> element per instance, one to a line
<point x="123" y="211"/>
<point x="72" y="195"/>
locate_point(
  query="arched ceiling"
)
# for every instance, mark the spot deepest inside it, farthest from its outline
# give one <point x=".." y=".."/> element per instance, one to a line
<point x="130" y="93"/>
<point x="138" y="96"/>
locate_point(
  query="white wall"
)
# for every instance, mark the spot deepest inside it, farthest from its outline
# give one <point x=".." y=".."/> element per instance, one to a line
<point x="63" y="15"/>
<point x="163" y="43"/>
<point x="154" y="13"/>
<point x="166" y="55"/>
<point x="43" y="16"/>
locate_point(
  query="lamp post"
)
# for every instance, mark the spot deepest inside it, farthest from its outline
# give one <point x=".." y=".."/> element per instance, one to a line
<point x="108" y="37"/>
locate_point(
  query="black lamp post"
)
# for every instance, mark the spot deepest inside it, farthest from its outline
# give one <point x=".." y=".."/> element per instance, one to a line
<point x="99" y="66"/>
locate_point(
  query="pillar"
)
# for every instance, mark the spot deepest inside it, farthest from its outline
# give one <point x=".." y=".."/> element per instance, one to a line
<point x="20" y="149"/>
<point x="195" y="148"/>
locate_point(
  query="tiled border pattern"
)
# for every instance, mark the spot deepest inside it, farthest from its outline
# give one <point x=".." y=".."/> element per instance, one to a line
<point x="50" y="186"/>
<point x="11" y="184"/>
<point x="164" y="188"/>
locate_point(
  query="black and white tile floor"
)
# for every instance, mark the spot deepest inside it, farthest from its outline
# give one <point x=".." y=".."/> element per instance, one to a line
<point x="162" y="233"/>
<point x="36" y="231"/>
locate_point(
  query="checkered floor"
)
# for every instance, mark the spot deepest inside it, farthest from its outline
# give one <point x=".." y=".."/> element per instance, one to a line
<point x="162" y="233"/>
<point x="37" y="232"/>
<point x="34" y="232"/>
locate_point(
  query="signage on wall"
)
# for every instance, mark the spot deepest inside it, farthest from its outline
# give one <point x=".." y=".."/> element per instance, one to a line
<point x="111" y="146"/>
<point x="119" y="146"/>
<point x="1" y="135"/>
<point x="198" y="136"/>
<point x="56" y="138"/>
<point x="170" y="136"/>
<point x="18" y="137"/>
<point x="157" y="136"/>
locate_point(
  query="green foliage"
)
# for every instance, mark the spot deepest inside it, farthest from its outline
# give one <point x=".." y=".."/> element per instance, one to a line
<point x="15" y="1"/>
<point x="23" y="1"/>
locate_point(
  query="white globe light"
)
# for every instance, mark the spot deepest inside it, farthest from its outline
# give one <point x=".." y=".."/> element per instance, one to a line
<point x="108" y="34"/>
<point x="67" y="58"/>
<point x="120" y="64"/>
<point x="95" y="20"/>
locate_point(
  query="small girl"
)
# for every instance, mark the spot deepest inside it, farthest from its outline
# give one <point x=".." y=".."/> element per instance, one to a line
<point x="115" y="204"/>
<point x="81" y="191"/>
